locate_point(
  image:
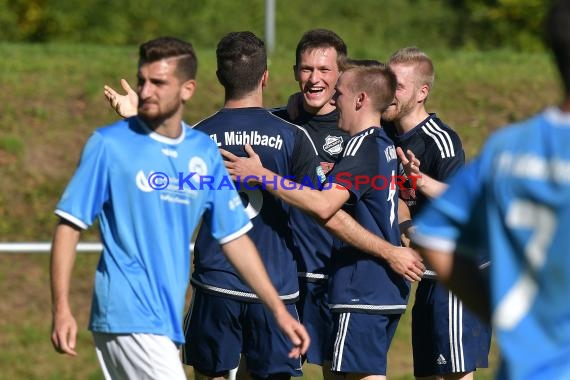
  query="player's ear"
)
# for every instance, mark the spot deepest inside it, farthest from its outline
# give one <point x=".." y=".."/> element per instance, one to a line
<point x="360" y="100"/>
<point x="265" y="78"/>
<point x="295" y="73"/>
<point x="423" y="92"/>
<point x="188" y="88"/>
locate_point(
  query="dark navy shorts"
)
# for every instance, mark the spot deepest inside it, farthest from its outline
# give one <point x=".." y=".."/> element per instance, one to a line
<point x="446" y="336"/>
<point x="362" y="342"/>
<point x="317" y="318"/>
<point x="219" y="329"/>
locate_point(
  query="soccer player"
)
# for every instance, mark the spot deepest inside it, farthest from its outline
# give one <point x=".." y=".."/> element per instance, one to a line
<point x="129" y="178"/>
<point x="242" y="324"/>
<point x="513" y="202"/>
<point x="448" y="340"/>
<point x="318" y="56"/>
<point x="366" y="296"/>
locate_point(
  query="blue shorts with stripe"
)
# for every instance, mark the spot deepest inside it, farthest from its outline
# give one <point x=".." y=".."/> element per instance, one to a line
<point x="219" y="329"/>
<point x="362" y="341"/>
<point x="317" y="318"/>
<point x="446" y="336"/>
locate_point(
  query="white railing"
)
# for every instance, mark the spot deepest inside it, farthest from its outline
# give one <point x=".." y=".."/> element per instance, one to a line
<point x="45" y="247"/>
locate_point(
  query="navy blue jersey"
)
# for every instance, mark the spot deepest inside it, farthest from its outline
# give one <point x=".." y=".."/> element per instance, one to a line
<point x="360" y="282"/>
<point x="446" y="337"/>
<point x="285" y="149"/>
<point x="313" y="243"/>
<point x="323" y="129"/>
<point x="439" y="150"/>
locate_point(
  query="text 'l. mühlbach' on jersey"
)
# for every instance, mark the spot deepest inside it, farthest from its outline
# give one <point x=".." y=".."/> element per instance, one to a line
<point x="249" y="137"/>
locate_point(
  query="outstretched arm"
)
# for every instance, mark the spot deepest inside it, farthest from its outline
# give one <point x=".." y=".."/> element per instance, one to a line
<point x="403" y="260"/>
<point x="64" y="326"/>
<point x="326" y="207"/>
<point x="430" y="187"/>
<point x="321" y="204"/>
<point x="243" y="255"/>
<point x="125" y="105"/>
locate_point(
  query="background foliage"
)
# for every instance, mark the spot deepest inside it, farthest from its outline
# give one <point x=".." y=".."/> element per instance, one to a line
<point x="437" y="23"/>
<point x="58" y="54"/>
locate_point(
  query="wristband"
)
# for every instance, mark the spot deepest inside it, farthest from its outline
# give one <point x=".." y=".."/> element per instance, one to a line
<point x="406" y="224"/>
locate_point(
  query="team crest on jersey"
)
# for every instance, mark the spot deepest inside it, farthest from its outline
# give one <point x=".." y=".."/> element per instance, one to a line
<point x="333" y="144"/>
<point x="142" y="182"/>
<point x="197" y="165"/>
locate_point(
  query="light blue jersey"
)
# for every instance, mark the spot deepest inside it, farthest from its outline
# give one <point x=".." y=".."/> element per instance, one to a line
<point x="513" y="202"/>
<point x="141" y="187"/>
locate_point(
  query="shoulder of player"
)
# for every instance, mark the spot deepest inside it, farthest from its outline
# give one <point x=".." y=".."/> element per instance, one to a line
<point x="367" y="142"/>
<point x="118" y="127"/>
<point x="438" y="135"/>
<point x="515" y="133"/>
<point x="280" y="112"/>
<point x="433" y="124"/>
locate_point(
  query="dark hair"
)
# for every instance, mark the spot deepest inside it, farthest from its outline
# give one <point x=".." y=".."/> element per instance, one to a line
<point x="378" y="82"/>
<point x="242" y="60"/>
<point x="321" y="38"/>
<point x="349" y="63"/>
<point x="171" y="47"/>
<point x="558" y="38"/>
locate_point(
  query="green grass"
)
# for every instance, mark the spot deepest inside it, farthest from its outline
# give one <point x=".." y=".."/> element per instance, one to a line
<point x="52" y="99"/>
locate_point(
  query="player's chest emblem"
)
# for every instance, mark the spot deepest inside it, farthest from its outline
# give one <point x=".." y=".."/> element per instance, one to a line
<point x="333" y="144"/>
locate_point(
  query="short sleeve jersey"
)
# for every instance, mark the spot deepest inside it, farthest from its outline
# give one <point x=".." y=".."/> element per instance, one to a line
<point x="513" y="202"/>
<point x="439" y="150"/>
<point x="360" y="282"/>
<point x="132" y="179"/>
<point x="313" y="243"/>
<point x="287" y="150"/>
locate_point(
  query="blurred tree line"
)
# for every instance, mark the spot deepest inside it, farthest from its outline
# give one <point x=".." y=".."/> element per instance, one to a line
<point x="475" y="24"/>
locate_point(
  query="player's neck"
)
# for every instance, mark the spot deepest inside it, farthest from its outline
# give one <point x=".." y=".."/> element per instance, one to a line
<point x="365" y="122"/>
<point x="324" y="110"/>
<point x="252" y="99"/>
<point x="171" y="127"/>
<point x="411" y="120"/>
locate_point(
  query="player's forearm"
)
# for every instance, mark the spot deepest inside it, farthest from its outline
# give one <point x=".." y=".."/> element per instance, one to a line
<point x="430" y="187"/>
<point x="304" y="198"/>
<point x="62" y="258"/>
<point x="243" y="255"/>
<point x="350" y="231"/>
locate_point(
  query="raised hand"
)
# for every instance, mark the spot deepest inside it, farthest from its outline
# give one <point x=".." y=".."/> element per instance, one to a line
<point x="125" y="105"/>
<point x="410" y="163"/>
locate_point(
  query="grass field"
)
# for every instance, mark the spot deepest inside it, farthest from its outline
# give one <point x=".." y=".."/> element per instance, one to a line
<point x="52" y="100"/>
<point x="25" y="324"/>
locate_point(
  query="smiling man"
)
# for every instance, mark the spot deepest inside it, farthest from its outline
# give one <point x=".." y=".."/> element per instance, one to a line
<point x="366" y="295"/>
